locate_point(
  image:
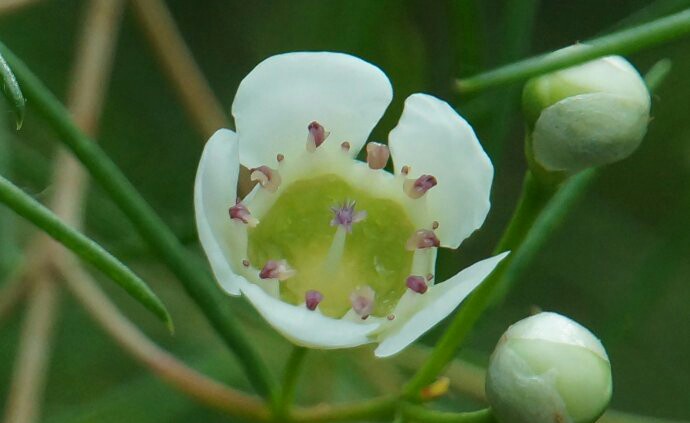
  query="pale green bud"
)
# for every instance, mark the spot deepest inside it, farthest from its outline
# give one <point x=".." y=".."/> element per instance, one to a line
<point x="548" y="369"/>
<point x="587" y="115"/>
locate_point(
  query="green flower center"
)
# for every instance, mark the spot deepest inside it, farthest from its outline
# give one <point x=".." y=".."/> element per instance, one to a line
<point x="297" y="228"/>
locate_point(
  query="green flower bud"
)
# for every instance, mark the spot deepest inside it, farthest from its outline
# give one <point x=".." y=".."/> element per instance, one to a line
<point x="587" y="115"/>
<point x="548" y="369"/>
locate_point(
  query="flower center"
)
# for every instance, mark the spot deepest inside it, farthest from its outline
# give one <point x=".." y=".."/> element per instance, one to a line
<point x="370" y="256"/>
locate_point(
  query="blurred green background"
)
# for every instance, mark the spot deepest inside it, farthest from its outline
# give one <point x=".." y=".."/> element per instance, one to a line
<point x="619" y="265"/>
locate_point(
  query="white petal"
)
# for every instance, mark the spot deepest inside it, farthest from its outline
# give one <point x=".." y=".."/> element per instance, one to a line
<point x="215" y="191"/>
<point x="305" y="327"/>
<point x="433" y="139"/>
<point x="553" y="327"/>
<point x="279" y="98"/>
<point x="432" y="307"/>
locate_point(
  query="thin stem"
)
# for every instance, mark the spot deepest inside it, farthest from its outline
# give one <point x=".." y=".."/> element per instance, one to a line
<point x="518" y="21"/>
<point x="378" y="409"/>
<point x="183" y="378"/>
<point x="177" y="61"/>
<point x="293" y="369"/>
<point x="190" y="271"/>
<point x="87" y="249"/>
<point x="621" y="42"/>
<point x="179" y="65"/>
<point x="10" y="6"/>
<point x="33" y="356"/>
<point x="533" y="199"/>
<point x="468" y="379"/>
<point x="418" y="413"/>
<point x="544" y="227"/>
<point x="12" y="292"/>
<point x="8" y="242"/>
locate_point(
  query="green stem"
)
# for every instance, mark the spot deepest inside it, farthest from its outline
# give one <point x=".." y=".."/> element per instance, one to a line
<point x="82" y="246"/>
<point x="421" y="414"/>
<point x="545" y="226"/>
<point x="193" y="275"/>
<point x="533" y="199"/>
<point x="293" y="368"/>
<point x="622" y="42"/>
<point x="376" y="409"/>
<point x="8" y="249"/>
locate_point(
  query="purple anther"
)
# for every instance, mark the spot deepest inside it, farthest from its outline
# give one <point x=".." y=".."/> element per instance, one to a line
<point x="345" y="215"/>
<point x="416" y="284"/>
<point x="276" y="269"/>
<point x="345" y="146"/>
<point x="267" y="177"/>
<point x="317" y="135"/>
<point x="423" y="238"/>
<point x="418" y="187"/>
<point x="377" y="155"/>
<point x="362" y="301"/>
<point x="312" y="299"/>
<point x="240" y="212"/>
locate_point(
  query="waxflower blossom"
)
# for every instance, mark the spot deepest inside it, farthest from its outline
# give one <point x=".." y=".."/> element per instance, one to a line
<point x="586" y="115"/>
<point x="548" y="369"/>
<point x="331" y="251"/>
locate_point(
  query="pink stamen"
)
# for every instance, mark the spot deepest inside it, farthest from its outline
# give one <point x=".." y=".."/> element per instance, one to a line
<point x="276" y="269"/>
<point x="416" y="284"/>
<point x="418" y="187"/>
<point x="421" y="239"/>
<point x="377" y="155"/>
<point x="362" y="301"/>
<point x="312" y="299"/>
<point x="267" y="177"/>
<point x="240" y="212"/>
<point x="317" y="135"/>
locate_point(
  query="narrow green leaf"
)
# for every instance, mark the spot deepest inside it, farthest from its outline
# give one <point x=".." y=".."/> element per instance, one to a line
<point x="11" y="90"/>
<point x="193" y="274"/>
<point x="622" y="42"/>
<point x="85" y="248"/>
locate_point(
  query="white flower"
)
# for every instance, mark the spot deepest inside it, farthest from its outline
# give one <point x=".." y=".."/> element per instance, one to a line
<point x="324" y="247"/>
<point x="547" y="368"/>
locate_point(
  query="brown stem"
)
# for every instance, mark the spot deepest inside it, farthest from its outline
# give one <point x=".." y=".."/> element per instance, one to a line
<point x="91" y="71"/>
<point x="203" y="107"/>
<point x="185" y="379"/>
<point x="10" y="6"/>
<point x="12" y="292"/>
<point x="33" y="354"/>
<point x="179" y="65"/>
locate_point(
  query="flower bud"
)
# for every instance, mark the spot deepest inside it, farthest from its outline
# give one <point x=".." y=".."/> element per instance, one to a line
<point x="587" y="115"/>
<point x="548" y="369"/>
